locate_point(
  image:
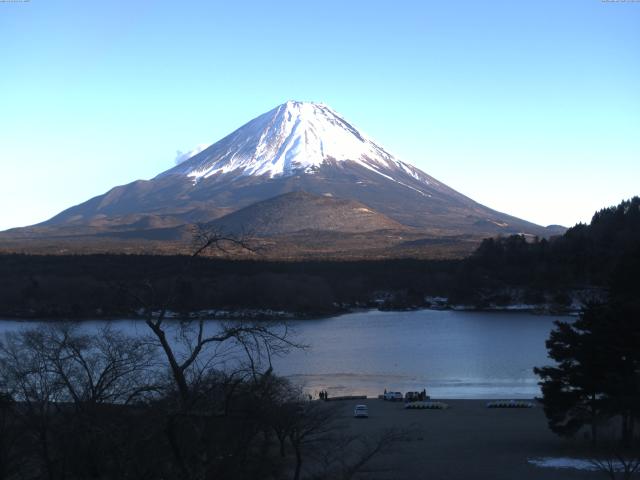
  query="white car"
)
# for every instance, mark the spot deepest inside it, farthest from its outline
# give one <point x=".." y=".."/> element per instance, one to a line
<point x="361" y="411"/>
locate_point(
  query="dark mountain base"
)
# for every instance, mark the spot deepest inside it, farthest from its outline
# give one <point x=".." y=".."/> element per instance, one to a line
<point x="294" y="225"/>
<point x="303" y="245"/>
<point x="89" y="286"/>
<point x="94" y="286"/>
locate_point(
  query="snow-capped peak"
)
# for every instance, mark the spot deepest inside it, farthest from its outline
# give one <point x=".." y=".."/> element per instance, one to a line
<point x="293" y="137"/>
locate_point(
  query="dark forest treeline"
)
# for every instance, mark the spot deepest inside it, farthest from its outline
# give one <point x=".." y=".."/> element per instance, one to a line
<point x="586" y="255"/>
<point x="594" y="380"/>
<point x="501" y="271"/>
<point x="90" y="285"/>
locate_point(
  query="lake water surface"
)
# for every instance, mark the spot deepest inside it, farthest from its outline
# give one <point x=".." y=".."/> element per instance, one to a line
<point x="453" y="354"/>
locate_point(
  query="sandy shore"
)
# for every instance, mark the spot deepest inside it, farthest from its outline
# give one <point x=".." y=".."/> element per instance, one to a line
<point x="466" y="441"/>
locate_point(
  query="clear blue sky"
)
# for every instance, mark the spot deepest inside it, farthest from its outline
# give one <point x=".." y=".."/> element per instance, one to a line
<point x="532" y="107"/>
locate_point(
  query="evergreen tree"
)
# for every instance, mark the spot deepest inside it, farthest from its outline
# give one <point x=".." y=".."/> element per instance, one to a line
<point x="597" y="375"/>
<point x="574" y="390"/>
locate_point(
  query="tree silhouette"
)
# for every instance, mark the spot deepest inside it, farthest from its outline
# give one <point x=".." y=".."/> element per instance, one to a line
<point x="597" y="376"/>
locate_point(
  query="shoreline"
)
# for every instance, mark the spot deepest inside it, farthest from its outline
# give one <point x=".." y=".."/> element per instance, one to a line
<point x="348" y="398"/>
<point x="284" y="315"/>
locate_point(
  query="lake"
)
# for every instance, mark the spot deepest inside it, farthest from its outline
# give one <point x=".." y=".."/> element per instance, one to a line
<point x="453" y="354"/>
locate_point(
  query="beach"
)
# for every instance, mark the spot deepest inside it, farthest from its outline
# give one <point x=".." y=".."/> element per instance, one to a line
<point x="465" y="441"/>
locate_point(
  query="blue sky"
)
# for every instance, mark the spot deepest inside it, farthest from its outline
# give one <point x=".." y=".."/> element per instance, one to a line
<point x="532" y="108"/>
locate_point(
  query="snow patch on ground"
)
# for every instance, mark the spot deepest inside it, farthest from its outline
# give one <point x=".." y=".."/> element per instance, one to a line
<point x="568" y="462"/>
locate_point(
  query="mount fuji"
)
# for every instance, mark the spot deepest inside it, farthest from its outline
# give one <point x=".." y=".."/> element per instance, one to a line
<point x="295" y="173"/>
<point x="293" y="137"/>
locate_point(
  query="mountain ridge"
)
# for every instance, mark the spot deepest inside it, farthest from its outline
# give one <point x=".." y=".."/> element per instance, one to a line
<point x="301" y="211"/>
<point x="297" y="146"/>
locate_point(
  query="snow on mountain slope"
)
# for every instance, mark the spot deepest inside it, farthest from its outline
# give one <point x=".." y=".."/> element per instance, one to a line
<point x="296" y="147"/>
<point x="293" y="137"/>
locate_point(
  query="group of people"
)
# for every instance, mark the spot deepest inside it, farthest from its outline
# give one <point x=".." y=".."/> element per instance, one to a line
<point x="323" y="395"/>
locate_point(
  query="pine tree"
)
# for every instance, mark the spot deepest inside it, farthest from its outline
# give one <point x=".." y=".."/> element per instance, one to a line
<point x="574" y="390"/>
<point x="597" y="376"/>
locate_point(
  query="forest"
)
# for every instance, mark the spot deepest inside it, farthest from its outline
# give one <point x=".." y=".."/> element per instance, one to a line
<point x="502" y="271"/>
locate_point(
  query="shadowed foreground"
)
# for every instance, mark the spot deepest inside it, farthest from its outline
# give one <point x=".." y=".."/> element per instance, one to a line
<point x="466" y="441"/>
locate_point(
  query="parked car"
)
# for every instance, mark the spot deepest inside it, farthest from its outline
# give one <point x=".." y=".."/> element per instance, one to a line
<point x="361" y="411"/>
<point x="412" y="397"/>
<point x="393" y="396"/>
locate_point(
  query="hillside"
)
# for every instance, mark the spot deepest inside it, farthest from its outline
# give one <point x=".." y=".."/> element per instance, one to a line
<point x="295" y="147"/>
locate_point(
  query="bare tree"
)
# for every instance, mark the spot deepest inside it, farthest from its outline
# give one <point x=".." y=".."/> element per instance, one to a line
<point x="346" y="456"/>
<point x="193" y="349"/>
<point x="11" y="461"/>
<point x="206" y="359"/>
<point x="105" y="367"/>
<point x="310" y="423"/>
<point x="369" y="448"/>
<point x="67" y="381"/>
<point x="612" y="465"/>
<point x="28" y="378"/>
<point x="319" y="440"/>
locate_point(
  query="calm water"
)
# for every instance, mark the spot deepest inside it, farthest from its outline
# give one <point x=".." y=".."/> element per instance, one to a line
<point x="450" y="353"/>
